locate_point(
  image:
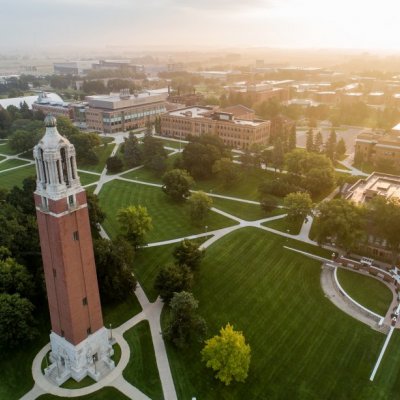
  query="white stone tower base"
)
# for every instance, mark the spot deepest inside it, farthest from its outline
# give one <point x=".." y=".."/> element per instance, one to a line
<point x="90" y="357"/>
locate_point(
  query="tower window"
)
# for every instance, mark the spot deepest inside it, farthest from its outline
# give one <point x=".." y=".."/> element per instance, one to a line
<point x="75" y="235"/>
<point x="89" y="330"/>
<point x="71" y="200"/>
<point x="84" y="301"/>
<point x="45" y="202"/>
<point x="62" y="333"/>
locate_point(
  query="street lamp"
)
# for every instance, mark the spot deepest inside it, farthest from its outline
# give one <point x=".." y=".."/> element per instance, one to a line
<point x="111" y="333"/>
<point x="206" y="227"/>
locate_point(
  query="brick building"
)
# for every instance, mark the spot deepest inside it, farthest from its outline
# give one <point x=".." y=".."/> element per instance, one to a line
<point x="47" y="105"/>
<point x="122" y="111"/>
<point x="197" y="121"/>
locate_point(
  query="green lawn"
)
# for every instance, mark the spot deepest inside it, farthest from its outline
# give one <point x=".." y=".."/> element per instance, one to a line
<point x="11" y="164"/>
<point x="104" y="394"/>
<point x="141" y="370"/>
<point x="303" y="347"/>
<point x="87" y="179"/>
<point x="250" y="212"/>
<point x="117" y="314"/>
<point x="6" y="149"/>
<point x="286" y="225"/>
<point x="172" y="143"/>
<point x="103" y="152"/>
<point x="73" y="384"/>
<point x="367" y="291"/>
<point x="15" y="177"/>
<point x="2" y="158"/>
<point x="170" y="220"/>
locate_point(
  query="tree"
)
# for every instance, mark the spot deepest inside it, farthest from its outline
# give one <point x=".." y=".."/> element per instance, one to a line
<point x="341" y="222"/>
<point x="17" y="325"/>
<point x="135" y="223"/>
<point x="318" y="144"/>
<point x="176" y="184"/>
<point x="96" y="214"/>
<point x="292" y="138"/>
<point x="278" y="158"/>
<point x="189" y="253"/>
<point x="268" y="203"/>
<point x="22" y="141"/>
<point x="330" y="146"/>
<point x="310" y="140"/>
<point x="184" y="325"/>
<point x="132" y="152"/>
<point x="114" y="259"/>
<point x="199" y="206"/>
<point x="152" y="147"/>
<point x="15" y="278"/>
<point x="384" y="222"/>
<point x="227" y="170"/>
<point x="228" y="354"/>
<point x="158" y="164"/>
<point x="173" y="279"/>
<point x="340" y="148"/>
<point x="298" y="205"/>
<point x="114" y="164"/>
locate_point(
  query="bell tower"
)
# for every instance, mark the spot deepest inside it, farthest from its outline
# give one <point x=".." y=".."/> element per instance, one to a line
<point x="78" y="338"/>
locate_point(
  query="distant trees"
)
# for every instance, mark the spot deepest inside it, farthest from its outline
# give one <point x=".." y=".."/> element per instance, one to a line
<point x="200" y="155"/>
<point x="135" y="223"/>
<point x="176" y="184"/>
<point x="228" y="354"/>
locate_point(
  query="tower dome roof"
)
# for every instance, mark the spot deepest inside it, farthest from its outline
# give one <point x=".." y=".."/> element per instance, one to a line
<point x="52" y="139"/>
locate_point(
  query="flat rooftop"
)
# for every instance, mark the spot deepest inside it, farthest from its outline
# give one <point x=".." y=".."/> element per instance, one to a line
<point x="377" y="184"/>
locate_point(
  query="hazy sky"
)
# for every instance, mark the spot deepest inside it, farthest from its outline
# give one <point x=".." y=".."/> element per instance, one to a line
<point x="283" y="23"/>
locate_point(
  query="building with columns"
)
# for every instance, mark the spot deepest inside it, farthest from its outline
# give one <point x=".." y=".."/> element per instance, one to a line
<point x="79" y="341"/>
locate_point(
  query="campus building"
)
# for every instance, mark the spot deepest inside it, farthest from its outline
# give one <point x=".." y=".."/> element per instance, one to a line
<point x="79" y="341"/>
<point x="122" y="111"/>
<point x="197" y="121"/>
<point x="259" y="92"/>
<point x="373" y="148"/>
<point x="363" y="191"/>
<point x="47" y="105"/>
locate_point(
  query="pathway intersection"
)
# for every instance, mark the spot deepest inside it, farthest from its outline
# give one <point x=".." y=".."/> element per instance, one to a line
<point x="151" y="311"/>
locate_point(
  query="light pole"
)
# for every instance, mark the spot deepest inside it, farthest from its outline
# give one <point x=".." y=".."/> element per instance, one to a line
<point x="206" y="227"/>
<point x="111" y="338"/>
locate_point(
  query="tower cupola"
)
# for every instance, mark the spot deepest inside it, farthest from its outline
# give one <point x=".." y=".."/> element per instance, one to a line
<point x="55" y="160"/>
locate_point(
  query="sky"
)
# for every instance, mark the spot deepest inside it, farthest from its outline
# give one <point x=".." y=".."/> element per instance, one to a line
<point x="356" y="24"/>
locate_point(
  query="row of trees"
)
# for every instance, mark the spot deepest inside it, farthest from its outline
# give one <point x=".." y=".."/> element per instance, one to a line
<point x="332" y="148"/>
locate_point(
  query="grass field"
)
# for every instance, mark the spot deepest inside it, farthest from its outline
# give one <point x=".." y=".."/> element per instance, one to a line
<point x="286" y="225"/>
<point x="367" y="291"/>
<point x="104" y="394"/>
<point x="141" y="370"/>
<point x="87" y="179"/>
<point x="303" y="347"/>
<point x="11" y="164"/>
<point x="117" y="314"/>
<point x="170" y="220"/>
<point x="6" y="149"/>
<point x="103" y="152"/>
<point x="15" y="177"/>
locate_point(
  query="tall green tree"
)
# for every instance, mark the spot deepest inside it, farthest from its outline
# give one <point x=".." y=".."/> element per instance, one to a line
<point x="173" y="279"/>
<point x="15" y="278"/>
<point x="310" y="140"/>
<point x="340" y="148"/>
<point x="199" y="205"/>
<point x="226" y="170"/>
<point x="292" y="139"/>
<point x="176" y="184"/>
<point x="17" y="324"/>
<point x="132" y="152"/>
<point x="135" y="223"/>
<point x="318" y="143"/>
<point x="228" y="354"/>
<point x="96" y="213"/>
<point x="189" y="253"/>
<point x="330" y="146"/>
<point x="278" y="156"/>
<point x="184" y="325"/>
<point x="298" y="205"/>
<point x="341" y="222"/>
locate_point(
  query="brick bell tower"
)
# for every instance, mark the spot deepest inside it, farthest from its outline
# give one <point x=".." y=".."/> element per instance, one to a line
<point x="79" y="341"/>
